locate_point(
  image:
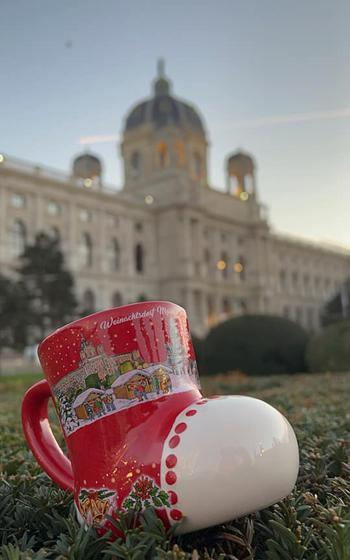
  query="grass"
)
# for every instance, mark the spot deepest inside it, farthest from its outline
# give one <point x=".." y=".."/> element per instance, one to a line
<point x="37" y="520"/>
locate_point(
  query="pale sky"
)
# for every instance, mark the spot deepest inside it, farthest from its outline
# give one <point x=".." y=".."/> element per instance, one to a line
<point x="270" y="77"/>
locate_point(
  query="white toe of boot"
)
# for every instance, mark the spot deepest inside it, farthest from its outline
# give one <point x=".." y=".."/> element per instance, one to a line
<point x="226" y="457"/>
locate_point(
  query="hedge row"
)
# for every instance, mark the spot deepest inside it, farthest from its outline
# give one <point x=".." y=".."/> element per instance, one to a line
<point x="265" y="344"/>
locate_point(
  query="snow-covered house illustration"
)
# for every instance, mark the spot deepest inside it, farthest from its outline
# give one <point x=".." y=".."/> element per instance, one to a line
<point x="137" y="385"/>
<point x="160" y="379"/>
<point x="132" y="385"/>
<point x="91" y="404"/>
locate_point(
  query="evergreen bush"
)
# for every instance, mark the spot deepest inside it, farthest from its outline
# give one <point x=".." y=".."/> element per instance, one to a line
<point x="198" y="350"/>
<point x="329" y="350"/>
<point x="255" y="345"/>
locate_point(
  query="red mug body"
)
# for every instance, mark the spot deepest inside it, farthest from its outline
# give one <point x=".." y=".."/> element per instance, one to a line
<point x="138" y="431"/>
<point x="119" y="379"/>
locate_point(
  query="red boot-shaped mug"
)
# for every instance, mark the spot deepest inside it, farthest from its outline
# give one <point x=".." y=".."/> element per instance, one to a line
<point x="139" y="432"/>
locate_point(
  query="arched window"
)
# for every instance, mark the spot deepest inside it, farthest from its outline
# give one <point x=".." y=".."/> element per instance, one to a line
<point x="86" y="250"/>
<point x="18" y="238"/>
<point x="115" y="255"/>
<point x="249" y="183"/>
<point x="197" y="165"/>
<point x="210" y="304"/>
<point x="282" y="279"/>
<point x="240" y="267"/>
<point x="226" y="306"/>
<point x="162" y="154"/>
<point x="139" y="258"/>
<point x="88" y="302"/>
<point x="117" y="299"/>
<point x="135" y="164"/>
<point x="286" y="311"/>
<point x="180" y="153"/>
<point x="54" y="232"/>
<point x="295" y="281"/>
<point x="234" y="187"/>
<point x="224" y="259"/>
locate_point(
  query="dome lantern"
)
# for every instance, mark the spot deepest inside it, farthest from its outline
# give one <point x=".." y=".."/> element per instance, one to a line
<point x="163" y="109"/>
<point x="161" y="84"/>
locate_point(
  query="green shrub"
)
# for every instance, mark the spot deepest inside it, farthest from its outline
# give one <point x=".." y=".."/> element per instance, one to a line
<point x="256" y="345"/>
<point x="329" y="350"/>
<point x="198" y="350"/>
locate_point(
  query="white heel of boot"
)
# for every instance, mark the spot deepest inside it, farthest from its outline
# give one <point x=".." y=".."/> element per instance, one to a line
<point x="226" y="457"/>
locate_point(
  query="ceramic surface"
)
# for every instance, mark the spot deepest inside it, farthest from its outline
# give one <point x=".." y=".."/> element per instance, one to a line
<point x="138" y="431"/>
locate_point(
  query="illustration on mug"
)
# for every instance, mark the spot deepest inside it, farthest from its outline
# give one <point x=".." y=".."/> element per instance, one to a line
<point x="104" y="384"/>
<point x="95" y="504"/>
<point x="145" y="493"/>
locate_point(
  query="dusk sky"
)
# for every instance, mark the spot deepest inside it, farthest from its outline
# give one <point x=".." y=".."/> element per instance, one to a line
<point x="269" y="77"/>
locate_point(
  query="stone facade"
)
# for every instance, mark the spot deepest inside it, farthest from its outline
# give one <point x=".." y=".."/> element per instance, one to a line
<point x="167" y="234"/>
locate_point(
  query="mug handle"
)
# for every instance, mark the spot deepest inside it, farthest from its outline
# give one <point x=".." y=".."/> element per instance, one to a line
<point x="40" y="438"/>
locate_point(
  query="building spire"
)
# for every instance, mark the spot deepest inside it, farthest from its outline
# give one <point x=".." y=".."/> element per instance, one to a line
<point x="161" y="84"/>
<point x="161" y="67"/>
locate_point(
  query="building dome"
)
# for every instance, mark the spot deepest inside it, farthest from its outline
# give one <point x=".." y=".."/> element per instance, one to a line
<point x="241" y="175"/>
<point x="163" y="109"/>
<point x="241" y="162"/>
<point x="87" y="166"/>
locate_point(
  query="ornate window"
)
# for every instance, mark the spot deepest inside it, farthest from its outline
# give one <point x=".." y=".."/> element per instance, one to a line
<point x="249" y="183"/>
<point x="86" y="250"/>
<point x="282" y="279"/>
<point x="162" y="154"/>
<point x="180" y="153"/>
<point x="138" y="227"/>
<point x="226" y="306"/>
<point x="224" y="259"/>
<point x="197" y="165"/>
<point x="54" y="232"/>
<point x="115" y="255"/>
<point x="117" y="299"/>
<point x="207" y="261"/>
<point x="286" y="312"/>
<point x="18" y="200"/>
<point x="88" y="302"/>
<point x="139" y="258"/>
<point x="85" y="215"/>
<point x="210" y="304"/>
<point x="53" y="208"/>
<point x="18" y="238"/>
<point x="234" y="187"/>
<point x="295" y="280"/>
<point x="240" y="267"/>
<point x="135" y="164"/>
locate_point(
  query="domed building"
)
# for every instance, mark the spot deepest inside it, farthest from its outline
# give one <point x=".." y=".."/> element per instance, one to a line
<point x="168" y="234"/>
<point x="163" y="133"/>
